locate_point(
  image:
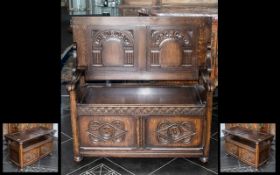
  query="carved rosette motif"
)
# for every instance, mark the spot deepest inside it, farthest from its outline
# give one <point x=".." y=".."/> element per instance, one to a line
<point x="140" y="110"/>
<point x="179" y="132"/>
<point x="159" y="38"/>
<point x="126" y="37"/>
<point x="106" y="131"/>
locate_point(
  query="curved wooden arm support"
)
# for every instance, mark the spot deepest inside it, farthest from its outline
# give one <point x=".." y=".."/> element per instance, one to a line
<point x="78" y="76"/>
<point x="207" y="82"/>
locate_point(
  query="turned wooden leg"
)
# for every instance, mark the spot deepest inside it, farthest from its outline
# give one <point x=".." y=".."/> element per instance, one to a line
<point x="20" y="156"/>
<point x="74" y="124"/>
<point x="203" y="159"/>
<point x="256" y="169"/>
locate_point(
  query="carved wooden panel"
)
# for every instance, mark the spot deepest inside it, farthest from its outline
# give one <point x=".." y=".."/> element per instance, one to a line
<point x="247" y="155"/>
<point x="112" y="49"/>
<point x="264" y="154"/>
<point x="148" y="48"/>
<point x="178" y="132"/>
<point x="233" y="149"/>
<point x="14" y="155"/>
<point x="46" y="148"/>
<point x="172" y="48"/>
<point x="108" y="131"/>
<point x="30" y="155"/>
<point x="173" y="131"/>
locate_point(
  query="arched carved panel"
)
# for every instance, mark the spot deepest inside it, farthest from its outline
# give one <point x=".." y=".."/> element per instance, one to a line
<point x="112" y="48"/>
<point x="109" y="56"/>
<point x="168" y="58"/>
<point x="172" y="48"/>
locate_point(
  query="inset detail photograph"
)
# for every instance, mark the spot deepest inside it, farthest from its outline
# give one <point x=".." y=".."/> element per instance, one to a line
<point x="247" y="147"/>
<point x="30" y="147"/>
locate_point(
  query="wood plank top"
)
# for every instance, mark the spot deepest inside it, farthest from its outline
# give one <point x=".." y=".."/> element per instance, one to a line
<point x="142" y="95"/>
<point x="27" y="135"/>
<point x="249" y="134"/>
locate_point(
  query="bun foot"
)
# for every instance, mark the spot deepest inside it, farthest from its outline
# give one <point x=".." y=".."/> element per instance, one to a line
<point x="78" y="158"/>
<point x="203" y="159"/>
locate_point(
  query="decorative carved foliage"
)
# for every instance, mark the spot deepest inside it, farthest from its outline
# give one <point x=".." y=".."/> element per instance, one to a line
<point x="162" y="38"/>
<point x="139" y="110"/>
<point x="125" y="38"/>
<point x="159" y="37"/>
<point x="101" y="36"/>
<point x="106" y="131"/>
<point x="179" y="132"/>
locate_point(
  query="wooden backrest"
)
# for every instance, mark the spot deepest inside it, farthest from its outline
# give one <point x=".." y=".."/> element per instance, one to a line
<point x="262" y="127"/>
<point x="19" y="127"/>
<point x="141" y="48"/>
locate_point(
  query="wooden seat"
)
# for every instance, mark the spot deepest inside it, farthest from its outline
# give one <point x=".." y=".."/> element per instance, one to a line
<point x="142" y="95"/>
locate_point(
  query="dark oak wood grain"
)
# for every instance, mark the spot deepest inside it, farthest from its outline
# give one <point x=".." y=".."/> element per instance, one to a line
<point x="30" y="145"/>
<point x="251" y="147"/>
<point x="167" y="116"/>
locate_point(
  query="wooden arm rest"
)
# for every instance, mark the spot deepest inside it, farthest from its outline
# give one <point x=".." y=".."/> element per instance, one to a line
<point x="75" y="79"/>
<point x="208" y="83"/>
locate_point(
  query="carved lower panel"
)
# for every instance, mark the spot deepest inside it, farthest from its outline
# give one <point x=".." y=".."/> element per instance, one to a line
<point x="106" y="131"/>
<point x="14" y="155"/>
<point x="46" y="148"/>
<point x="139" y="110"/>
<point x="247" y="155"/>
<point x="264" y="155"/>
<point x="173" y="131"/>
<point x="178" y="132"/>
<point x="30" y="155"/>
<point x="233" y="149"/>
